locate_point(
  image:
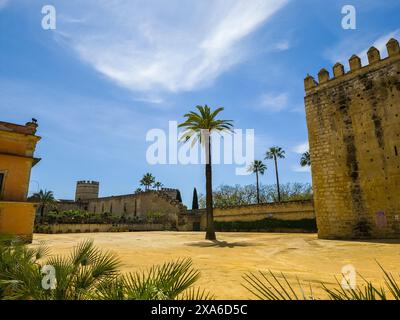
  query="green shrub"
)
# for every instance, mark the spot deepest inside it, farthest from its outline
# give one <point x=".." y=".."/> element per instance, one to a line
<point x="267" y="224"/>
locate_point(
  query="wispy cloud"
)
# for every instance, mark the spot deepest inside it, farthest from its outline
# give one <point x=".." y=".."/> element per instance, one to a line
<point x="282" y="45"/>
<point x="150" y="99"/>
<point x="298" y="168"/>
<point x="301" y="148"/>
<point x="346" y="48"/>
<point x="115" y="124"/>
<point x="380" y="44"/>
<point x="165" y="45"/>
<point x="3" y="3"/>
<point x="272" y="102"/>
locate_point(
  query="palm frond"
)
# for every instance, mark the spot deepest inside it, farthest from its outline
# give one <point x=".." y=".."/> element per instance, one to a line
<point x="196" y="294"/>
<point x="89" y="273"/>
<point x="268" y="287"/>
<point x="162" y="282"/>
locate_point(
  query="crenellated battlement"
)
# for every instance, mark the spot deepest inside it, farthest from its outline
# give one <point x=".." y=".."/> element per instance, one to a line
<point x="86" y="189"/>
<point x="168" y="189"/>
<point x="353" y="121"/>
<point x="374" y="58"/>
<point x="88" y="182"/>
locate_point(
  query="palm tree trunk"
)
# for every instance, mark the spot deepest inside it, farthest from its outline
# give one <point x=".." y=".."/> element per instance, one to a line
<point x="41" y="213"/>
<point x="277" y="179"/>
<point x="210" y="233"/>
<point x="258" y="189"/>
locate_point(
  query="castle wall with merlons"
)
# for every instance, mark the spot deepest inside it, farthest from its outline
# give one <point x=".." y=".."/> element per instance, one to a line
<point x="353" y="122"/>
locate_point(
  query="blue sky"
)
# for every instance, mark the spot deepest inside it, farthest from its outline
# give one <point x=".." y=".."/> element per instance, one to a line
<point x="112" y="70"/>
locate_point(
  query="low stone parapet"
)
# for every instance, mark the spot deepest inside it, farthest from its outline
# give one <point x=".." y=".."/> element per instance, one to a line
<point x="91" y="228"/>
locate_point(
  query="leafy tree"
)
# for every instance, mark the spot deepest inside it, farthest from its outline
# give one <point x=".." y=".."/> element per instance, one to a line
<point x="147" y="181"/>
<point x="44" y="198"/>
<point x="258" y="167"/>
<point x="305" y="160"/>
<point x="200" y="125"/>
<point x="276" y="153"/>
<point x="237" y="195"/>
<point x="195" y="201"/>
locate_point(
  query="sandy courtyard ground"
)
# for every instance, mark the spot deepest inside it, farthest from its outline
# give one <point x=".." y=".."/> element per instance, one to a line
<point x="223" y="264"/>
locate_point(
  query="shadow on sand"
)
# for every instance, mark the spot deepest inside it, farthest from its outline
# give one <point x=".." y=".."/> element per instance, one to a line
<point x="358" y="241"/>
<point x="220" y="244"/>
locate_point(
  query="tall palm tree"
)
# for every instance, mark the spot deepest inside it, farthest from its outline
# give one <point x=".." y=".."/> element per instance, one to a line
<point x="257" y="167"/>
<point x="200" y="125"/>
<point x="305" y="160"/>
<point x="158" y="185"/>
<point x="276" y="153"/>
<point x="147" y="181"/>
<point x="44" y="198"/>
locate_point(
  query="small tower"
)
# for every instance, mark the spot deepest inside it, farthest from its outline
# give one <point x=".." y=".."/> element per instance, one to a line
<point x="86" y="190"/>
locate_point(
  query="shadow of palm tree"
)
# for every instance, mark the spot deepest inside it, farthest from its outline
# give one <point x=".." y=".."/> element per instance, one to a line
<point x="221" y="244"/>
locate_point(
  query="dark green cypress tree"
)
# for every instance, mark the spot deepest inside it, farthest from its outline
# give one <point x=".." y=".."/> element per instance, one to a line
<point x="178" y="196"/>
<point x="195" y="202"/>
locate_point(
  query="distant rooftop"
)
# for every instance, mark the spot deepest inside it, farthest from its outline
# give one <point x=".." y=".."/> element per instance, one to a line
<point x="29" y="128"/>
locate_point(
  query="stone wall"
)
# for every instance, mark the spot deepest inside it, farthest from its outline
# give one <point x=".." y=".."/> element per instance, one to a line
<point x="353" y="121"/>
<point x="141" y="206"/>
<point x="284" y="211"/>
<point x="86" y="228"/>
<point x="191" y="220"/>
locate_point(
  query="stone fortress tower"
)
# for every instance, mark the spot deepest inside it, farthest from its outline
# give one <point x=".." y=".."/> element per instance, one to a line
<point x="353" y="121"/>
<point x="86" y="190"/>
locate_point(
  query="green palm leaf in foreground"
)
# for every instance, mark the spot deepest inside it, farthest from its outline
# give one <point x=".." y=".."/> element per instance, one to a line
<point x="90" y="273"/>
<point x="170" y="281"/>
<point x="269" y="286"/>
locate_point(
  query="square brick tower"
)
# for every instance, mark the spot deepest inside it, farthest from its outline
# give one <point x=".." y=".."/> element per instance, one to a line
<point x="353" y="122"/>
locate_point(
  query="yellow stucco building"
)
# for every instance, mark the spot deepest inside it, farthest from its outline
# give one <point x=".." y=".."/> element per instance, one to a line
<point x="17" y="147"/>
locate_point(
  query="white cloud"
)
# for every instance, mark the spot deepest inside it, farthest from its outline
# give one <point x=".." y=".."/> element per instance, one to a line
<point x="299" y="109"/>
<point x="274" y="102"/>
<point x="3" y="3"/>
<point x="298" y="168"/>
<point x="282" y="45"/>
<point x="164" y="45"/>
<point x="150" y="99"/>
<point x="359" y="46"/>
<point x="301" y="148"/>
<point x="380" y="44"/>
